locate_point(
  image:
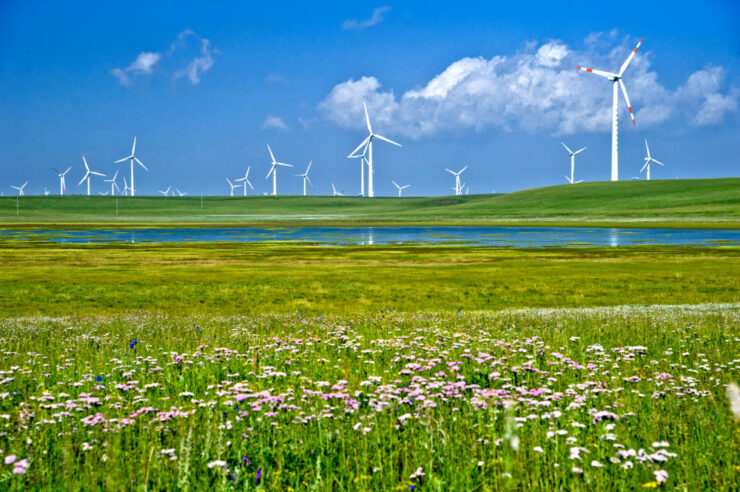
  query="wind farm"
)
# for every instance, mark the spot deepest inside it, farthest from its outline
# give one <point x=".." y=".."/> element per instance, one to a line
<point x="472" y="312"/>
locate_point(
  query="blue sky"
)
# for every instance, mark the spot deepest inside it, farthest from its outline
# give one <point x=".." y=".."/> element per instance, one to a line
<point x="205" y="87"/>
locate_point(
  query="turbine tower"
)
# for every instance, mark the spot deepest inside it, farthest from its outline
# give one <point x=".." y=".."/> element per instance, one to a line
<point x="245" y="180"/>
<point x="458" y="188"/>
<point x="616" y="79"/>
<point x="132" y="158"/>
<point x="369" y="143"/>
<point x="20" y="189"/>
<point x="273" y="170"/>
<point x="572" y="163"/>
<point x="305" y="178"/>
<point x="232" y="185"/>
<point x="88" y="174"/>
<point x="113" y="185"/>
<point x="62" y="183"/>
<point x="400" y="188"/>
<point x="648" y="160"/>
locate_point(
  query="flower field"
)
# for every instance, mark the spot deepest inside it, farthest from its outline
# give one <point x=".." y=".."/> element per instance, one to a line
<point x="592" y="399"/>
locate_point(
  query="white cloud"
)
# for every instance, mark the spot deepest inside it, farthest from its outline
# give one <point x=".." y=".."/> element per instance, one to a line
<point x="376" y="18"/>
<point x="146" y="62"/>
<point x="274" y="123"/>
<point x="535" y="90"/>
<point x="143" y="65"/>
<point x="199" y="65"/>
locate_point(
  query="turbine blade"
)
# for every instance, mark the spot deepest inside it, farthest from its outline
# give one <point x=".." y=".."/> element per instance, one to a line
<point x="85" y="162"/>
<point x="133" y="149"/>
<point x="65" y="172"/>
<point x="364" y="142"/>
<point x="644" y="166"/>
<point x="309" y="166"/>
<point x="55" y="170"/>
<point x="463" y="169"/>
<point x="309" y="181"/>
<point x="140" y="163"/>
<point x="271" y="154"/>
<point x="627" y="100"/>
<point x="250" y="185"/>
<point x="566" y="148"/>
<point x="284" y="164"/>
<point x="607" y="75"/>
<point x="367" y="118"/>
<point x="122" y="160"/>
<point x="82" y="180"/>
<point x="657" y="162"/>
<point x="579" y="150"/>
<point x="451" y="172"/>
<point x="629" y="58"/>
<point x="388" y="140"/>
<point x="647" y="148"/>
<point x="395" y="184"/>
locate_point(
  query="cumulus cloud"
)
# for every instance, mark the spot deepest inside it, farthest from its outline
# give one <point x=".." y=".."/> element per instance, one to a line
<point x="376" y="18"/>
<point x="535" y="90"/>
<point x="274" y="123"/>
<point x="195" y="67"/>
<point x="143" y="64"/>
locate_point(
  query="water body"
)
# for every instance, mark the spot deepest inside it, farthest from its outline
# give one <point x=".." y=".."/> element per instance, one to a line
<point x="516" y="237"/>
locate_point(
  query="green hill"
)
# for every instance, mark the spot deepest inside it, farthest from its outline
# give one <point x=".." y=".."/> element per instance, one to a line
<point x="671" y="203"/>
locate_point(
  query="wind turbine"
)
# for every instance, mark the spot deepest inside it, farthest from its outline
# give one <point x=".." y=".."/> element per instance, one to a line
<point x="62" y="184"/>
<point x="167" y="191"/>
<point x="232" y="185"/>
<point x="400" y="188"/>
<point x="103" y="193"/>
<point x="335" y="192"/>
<point x="648" y="160"/>
<point x="181" y="193"/>
<point x="126" y="189"/>
<point x="273" y="171"/>
<point x="46" y="191"/>
<point x="88" y="173"/>
<point x="572" y="163"/>
<point x="20" y="189"/>
<point x="305" y="178"/>
<point x="132" y="158"/>
<point x="457" y="188"/>
<point x="363" y="162"/>
<point x="113" y="185"/>
<point x="616" y="79"/>
<point x="369" y="143"/>
<point x="246" y="181"/>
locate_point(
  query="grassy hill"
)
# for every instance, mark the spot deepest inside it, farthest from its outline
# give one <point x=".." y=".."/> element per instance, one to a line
<point x="671" y="203"/>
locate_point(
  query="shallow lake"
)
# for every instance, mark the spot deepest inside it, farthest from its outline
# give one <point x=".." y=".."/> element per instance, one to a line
<point x="517" y="237"/>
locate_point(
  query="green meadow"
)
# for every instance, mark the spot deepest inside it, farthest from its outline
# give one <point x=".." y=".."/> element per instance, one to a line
<point x="694" y="203"/>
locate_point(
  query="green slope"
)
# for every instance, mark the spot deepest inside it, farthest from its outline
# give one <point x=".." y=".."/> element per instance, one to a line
<point x="698" y="203"/>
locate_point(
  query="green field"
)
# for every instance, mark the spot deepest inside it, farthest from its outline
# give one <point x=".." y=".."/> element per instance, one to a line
<point x="665" y="203"/>
<point x="243" y="278"/>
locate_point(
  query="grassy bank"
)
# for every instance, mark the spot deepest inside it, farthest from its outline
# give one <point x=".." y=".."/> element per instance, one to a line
<point x="56" y="279"/>
<point x="616" y="399"/>
<point x="665" y="203"/>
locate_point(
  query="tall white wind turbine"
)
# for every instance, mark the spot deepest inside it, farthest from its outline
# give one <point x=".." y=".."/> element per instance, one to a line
<point x="400" y="188"/>
<point x="305" y="178"/>
<point x="363" y="162"/>
<point x="246" y="181"/>
<point x="113" y="185"/>
<point x="88" y="174"/>
<point x="369" y="143"/>
<point x="335" y="192"/>
<point x="458" y="188"/>
<point x="572" y="163"/>
<point x="62" y="183"/>
<point x="126" y="189"/>
<point x="232" y="186"/>
<point x="273" y="170"/>
<point x="616" y="79"/>
<point x="648" y="160"/>
<point x="20" y="188"/>
<point x="132" y="158"/>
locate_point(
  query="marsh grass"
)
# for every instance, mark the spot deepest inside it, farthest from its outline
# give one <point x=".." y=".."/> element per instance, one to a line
<point x="57" y="279"/>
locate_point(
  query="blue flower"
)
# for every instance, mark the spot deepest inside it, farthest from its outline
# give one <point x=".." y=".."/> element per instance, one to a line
<point x="100" y="378"/>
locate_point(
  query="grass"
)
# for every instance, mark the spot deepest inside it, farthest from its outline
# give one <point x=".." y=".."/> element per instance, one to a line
<point x="661" y="203"/>
<point x="242" y="278"/>
<point x="605" y="399"/>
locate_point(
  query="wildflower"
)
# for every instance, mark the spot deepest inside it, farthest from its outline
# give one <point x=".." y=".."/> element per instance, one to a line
<point x="596" y="464"/>
<point x="246" y="460"/>
<point x="419" y="473"/>
<point x="538" y="449"/>
<point x="19" y="468"/>
<point x="661" y="475"/>
<point x="258" y="478"/>
<point x="10" y="459"/>
<point x="99" y="378"/>
<point x="577" y="470"/>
